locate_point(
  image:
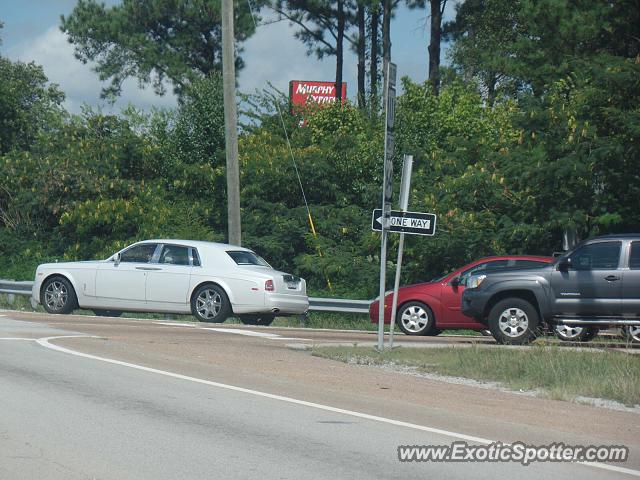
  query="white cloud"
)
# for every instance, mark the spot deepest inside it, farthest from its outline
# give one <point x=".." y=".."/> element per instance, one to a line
<point x="273" y="55"/>
<point x="80" y="84"/>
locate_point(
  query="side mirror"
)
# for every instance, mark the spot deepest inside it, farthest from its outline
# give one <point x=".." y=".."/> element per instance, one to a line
<point x="455" y="282"/>
<point x="116" y="260"/>
<point x="564" y="264"/>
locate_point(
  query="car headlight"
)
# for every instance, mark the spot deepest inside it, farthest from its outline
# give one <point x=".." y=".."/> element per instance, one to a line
<point x="475" y="281"/>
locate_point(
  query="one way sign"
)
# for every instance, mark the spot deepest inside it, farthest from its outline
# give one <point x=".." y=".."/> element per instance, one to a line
<point x="406" y="222"/>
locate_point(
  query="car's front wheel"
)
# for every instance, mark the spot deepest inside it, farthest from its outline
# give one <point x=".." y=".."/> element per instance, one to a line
<point x="263" y="320"/>
<point x="209" y="303"/>
<point x="572" y="333"/>
<point x="513" y="321"/>
<point x="415" y="318"/>
<point x="58" y="296"/>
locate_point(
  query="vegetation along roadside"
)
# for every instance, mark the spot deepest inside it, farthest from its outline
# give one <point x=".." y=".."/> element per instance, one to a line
<point x="554" y="372"/>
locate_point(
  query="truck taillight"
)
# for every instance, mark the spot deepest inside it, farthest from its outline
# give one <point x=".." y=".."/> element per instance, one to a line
<point x="269" y="286"/>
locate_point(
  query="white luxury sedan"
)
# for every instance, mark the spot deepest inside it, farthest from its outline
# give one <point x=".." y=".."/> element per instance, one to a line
<point x="210" y="280"/>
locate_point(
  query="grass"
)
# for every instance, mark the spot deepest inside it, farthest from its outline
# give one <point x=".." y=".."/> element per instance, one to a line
<point x="559" y="373"/>
<point x="340" y="321"/>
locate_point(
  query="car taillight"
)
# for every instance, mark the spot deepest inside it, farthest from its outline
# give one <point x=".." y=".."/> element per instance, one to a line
<point x="269" y="286"/>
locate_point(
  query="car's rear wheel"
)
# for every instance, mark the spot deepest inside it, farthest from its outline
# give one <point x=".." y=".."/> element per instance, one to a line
<point x="264" y="320"/>
<point x="415" y="318"/>
<point x="107" y="313"/>
<point x="632" y="333"/>
<point x="513" y="321"/>
<point x="209" y="303"/>
<point x="58" y="296"/>
<point x="572" y="333"/>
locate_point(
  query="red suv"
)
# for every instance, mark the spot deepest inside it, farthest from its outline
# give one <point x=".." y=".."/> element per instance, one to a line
<point x="429" y="308"/>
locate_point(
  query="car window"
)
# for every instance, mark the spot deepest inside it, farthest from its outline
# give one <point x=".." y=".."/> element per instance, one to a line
<point x="596" y="256"/>
<point x="497" y="265"/>
<point x="487" y="266"/>
<point x="196" y="257"/>
<point x="175" y="255"/>
<point x="245" y="257"/>
<point x="139" y="253"/>
<point x="529" y="264"/>
<point x="634" y="257"/>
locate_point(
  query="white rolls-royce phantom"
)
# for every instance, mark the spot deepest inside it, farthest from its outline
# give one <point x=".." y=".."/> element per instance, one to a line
<point x="210" y="280"/>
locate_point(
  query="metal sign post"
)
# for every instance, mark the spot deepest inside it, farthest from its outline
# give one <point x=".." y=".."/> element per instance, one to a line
<point x="390" y="108"/>
<point x="405" y="187"/>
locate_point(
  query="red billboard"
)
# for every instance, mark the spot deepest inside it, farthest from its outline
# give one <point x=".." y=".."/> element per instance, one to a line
<point x="302" y="92"/>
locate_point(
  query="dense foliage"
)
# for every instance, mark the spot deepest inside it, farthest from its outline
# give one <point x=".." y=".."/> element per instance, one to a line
<point x="525" y="139"/>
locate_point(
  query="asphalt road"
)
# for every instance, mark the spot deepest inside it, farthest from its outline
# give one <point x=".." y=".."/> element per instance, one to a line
<point x="125" y="399"/>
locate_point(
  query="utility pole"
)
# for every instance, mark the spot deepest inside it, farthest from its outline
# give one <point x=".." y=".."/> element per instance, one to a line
<point x="230" y="124"/>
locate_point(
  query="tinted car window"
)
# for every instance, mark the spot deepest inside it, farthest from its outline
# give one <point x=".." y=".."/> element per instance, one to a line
<point x="529" y="264"/>
<point x="139" y="253"/>
<point x="175" y="255"/>
<point x="596" y="256"/>
<point x="634" y="257"/>
<point x="196" y="257"/>
<point x="497" y="265"/>
<point x="488" y="266"/>
<point x="243" y="257"/>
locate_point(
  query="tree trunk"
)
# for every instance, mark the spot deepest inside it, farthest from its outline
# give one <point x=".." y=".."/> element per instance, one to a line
<point x="362" y="104"/>
<point x="434" y="46"/>
<point x="373" y="68"/>
<point x="339" y="52"/>
<point x="491" y="89"/>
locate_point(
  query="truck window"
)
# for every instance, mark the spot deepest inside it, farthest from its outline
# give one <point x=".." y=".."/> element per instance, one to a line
<point x="597" y="256"/>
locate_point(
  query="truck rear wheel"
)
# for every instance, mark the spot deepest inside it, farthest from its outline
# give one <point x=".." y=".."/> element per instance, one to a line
<point x="571" y="333"/>
<point x="513" y="321"/>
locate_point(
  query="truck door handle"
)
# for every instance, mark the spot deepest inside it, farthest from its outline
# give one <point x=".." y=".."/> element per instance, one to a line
<point x="611" y="278"/>
<point x="148" y="268"/>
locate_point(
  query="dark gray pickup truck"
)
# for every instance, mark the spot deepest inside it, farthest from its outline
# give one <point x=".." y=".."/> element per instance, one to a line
<point x="595" y="285"/>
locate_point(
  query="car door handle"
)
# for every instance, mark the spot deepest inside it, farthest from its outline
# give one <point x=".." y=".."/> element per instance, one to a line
<point x="611" y="278"/>
<point x="148" y="268"/>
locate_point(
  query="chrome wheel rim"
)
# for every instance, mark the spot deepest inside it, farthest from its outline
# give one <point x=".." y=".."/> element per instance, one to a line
<point x="513" y="322"/>
<point x="634" y="332"/>
<point x="56" y="295"/>
<point x="568" y="331"/>
<point x="209" y="304"/>
<point x="414" y="318"/>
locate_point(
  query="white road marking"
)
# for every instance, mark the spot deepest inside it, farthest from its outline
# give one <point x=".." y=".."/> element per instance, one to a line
<point x="18" y="338"/>
<point x="251" y="333"/>
<point x="248" y="333"/>
<point x="237" y="331"/>
<point x="45" y="342"/>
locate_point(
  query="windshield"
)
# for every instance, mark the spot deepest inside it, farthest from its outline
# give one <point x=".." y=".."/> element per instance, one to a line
<point x="246" y="257"/>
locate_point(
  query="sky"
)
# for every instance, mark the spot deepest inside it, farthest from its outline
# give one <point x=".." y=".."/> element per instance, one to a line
<point x="31" y="33"/>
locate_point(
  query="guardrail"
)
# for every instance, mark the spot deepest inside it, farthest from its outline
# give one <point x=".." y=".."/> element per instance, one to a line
<point x="316" y="304"/>
<point x="340" y="305"/>
<point x="17" y="288"/>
